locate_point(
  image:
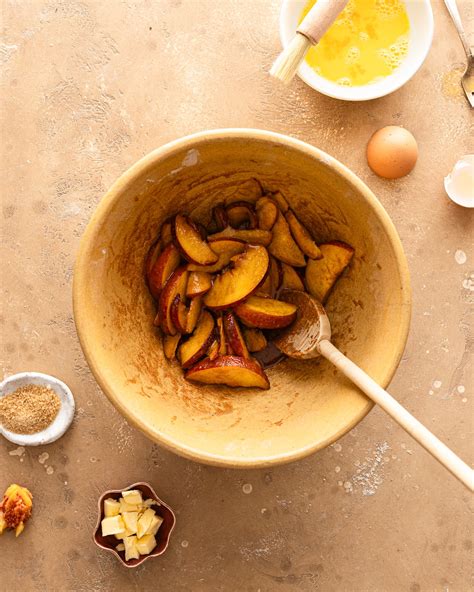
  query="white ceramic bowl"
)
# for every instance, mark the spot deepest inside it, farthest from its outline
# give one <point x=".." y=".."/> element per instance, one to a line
<point x="421" y="35"/>
<point x="63" y="419"/>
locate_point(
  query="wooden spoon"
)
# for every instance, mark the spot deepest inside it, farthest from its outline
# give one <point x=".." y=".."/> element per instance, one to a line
<point x="310" y="336"/>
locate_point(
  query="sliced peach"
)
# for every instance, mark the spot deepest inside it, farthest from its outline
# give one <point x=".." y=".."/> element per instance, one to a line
<point x="188" y="239"/>
<point x="199" y="282"/>
<point x="166" y="236"/>
<point x="255" y="339"/>
<point x="162" y="269"/>
<point x="241" y="213"/>
<point x="322" y="274"/>
<point x="179" y="314"/>
<point x="265" y="289"/>
<point x="175" y="286"/>
<point x="226" y="248"/>
<point x="280" y="201"/>
<point x="213" y="351"/>
<point x="266" y="313"/>
<point x="194" y="312"/>
<point x="283" y="246"/>
<point x="197" y="345"/>
<point x="291" y="278"/>
<point x="223" y="347"/>
<point x="302" y="237"/>
<point x="267" y="212"/>
<point x="219" y="215"/>
<point x="239" y="281"/>
<point x="234" y="335"/>
<point x="276" y="275"/>
<point x="229" y="370"/>
<point x="170" y="343"/>
<point x="254" y="237"/>
<point x="249" y="191"/>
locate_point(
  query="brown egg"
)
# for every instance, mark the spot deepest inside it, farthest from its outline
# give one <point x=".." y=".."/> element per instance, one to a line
<point x="392" y="152"/>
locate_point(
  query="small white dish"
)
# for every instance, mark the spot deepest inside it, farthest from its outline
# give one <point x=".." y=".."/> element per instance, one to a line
<point x="421" y="35"/>
<point x="63" y="419"/>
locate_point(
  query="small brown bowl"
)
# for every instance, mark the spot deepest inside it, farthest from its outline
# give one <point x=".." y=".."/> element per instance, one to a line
<point x="162" y="536"/>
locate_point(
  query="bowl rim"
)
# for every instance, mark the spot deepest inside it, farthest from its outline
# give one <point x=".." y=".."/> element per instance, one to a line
<point x="92" y="231"/>
<point x="343" y="93"/>
<point x="113" y="550"/>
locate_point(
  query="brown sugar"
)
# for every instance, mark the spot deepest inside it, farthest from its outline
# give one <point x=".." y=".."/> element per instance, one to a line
<point x="30" y="409"/>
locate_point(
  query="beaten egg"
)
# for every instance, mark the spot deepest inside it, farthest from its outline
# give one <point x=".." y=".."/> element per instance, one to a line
<point x="392" y="152"/>
<point x="366" y="43"/>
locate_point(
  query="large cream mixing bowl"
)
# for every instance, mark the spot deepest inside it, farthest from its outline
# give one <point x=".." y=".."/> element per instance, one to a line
<point x="309" y="404"/>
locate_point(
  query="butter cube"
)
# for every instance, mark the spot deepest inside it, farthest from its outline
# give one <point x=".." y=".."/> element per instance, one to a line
<point x="144" y="522"/>
<point x="131" y="551"/>
<point x="130" y="519"/>
<point x="112" y="525"/>
<point x="150" y="502"/>
<point x="146" y="544"/>
<point x="155" y="524"/>
<point x="120" y="547"/>
<point x="125" y="533"/>
<point x="111" y="507"/>
<point x="126" y="507"/>
<point x="134" y="497"/>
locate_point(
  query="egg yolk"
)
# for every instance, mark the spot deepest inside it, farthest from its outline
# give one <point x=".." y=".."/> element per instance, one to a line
<point x="365" y="44"/>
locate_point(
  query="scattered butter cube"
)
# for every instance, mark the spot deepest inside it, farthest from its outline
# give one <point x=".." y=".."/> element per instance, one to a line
<point x="134" y="497"/>
<point x="150" y="502"/>
<point x="130" y="519"/>
<point x="112" y="525"/>
<point x="131" y="551"/>
<point x="111" y="507"/>
<point x="155" y="524"/>
<point x="125" y="533"/>
<point x="146" y="544"/>
<point x="120" y="547"/>
<point x="144" y="522"/>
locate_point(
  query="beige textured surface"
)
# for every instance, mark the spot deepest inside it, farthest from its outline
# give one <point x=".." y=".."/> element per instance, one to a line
<point x="87" y="89"/>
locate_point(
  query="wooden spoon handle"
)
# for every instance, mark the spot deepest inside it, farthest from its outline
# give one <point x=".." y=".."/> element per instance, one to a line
<point x="416" y="429"/>
<point x="320" y="18"/>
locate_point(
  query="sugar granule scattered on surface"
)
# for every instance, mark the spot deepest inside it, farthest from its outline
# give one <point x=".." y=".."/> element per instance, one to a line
<point x="49" y="470"/>
<point x="337" y="469"/>
<point x="437" y="384"/>
<point x="369" y="479"/>
<point x="461" y="389"/>
<point x="20" y="451"/>
<point x="43" y="457"/>
<point x="337" y="447"/>
<point x="460" y="257"/>
<point x="184" y="544"/>
<point x="464" y="400"/>
<point x="247" y="488"/>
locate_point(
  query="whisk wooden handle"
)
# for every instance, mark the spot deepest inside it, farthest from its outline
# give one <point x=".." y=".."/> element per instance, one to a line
<point x="409" y="423"/>
<point x="320" y="18"/>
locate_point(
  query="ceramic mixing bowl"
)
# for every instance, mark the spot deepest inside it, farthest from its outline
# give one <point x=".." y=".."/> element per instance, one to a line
<point x="309" y="404"/>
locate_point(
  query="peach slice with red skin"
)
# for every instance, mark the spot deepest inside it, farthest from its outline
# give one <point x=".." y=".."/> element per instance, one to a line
<point x="223" y="347"/>
<point x="230" y="370"/>
<point x="276" y="275"/>
<point x="219" y="215"/>
<point x="241" y="213"/>
<point x="234" y="335"/>
<point x="265" y="313"/>
<point x="283" y="247"/>
<point x="291" y="278"/>
<point x="267" y="213"/>
<point x="190" y="242"/>
<point x="179" y="314"/>
<point x="170" y="344"/>
<point x="254" y="338"/>
<point x="163" y="267"/>
<point x="322" y="274"/>
<point x="175" y="286"/>
<point x="199" y="282"/>
<point x="225" y="249"/>
<point x="302" y="237"/>
<point x="254" y="237"/>
<point x="213" y="351"/>
<point x="197" y="345"/>
<point x="194" y="312"/>
<point x="239" y="281"/>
